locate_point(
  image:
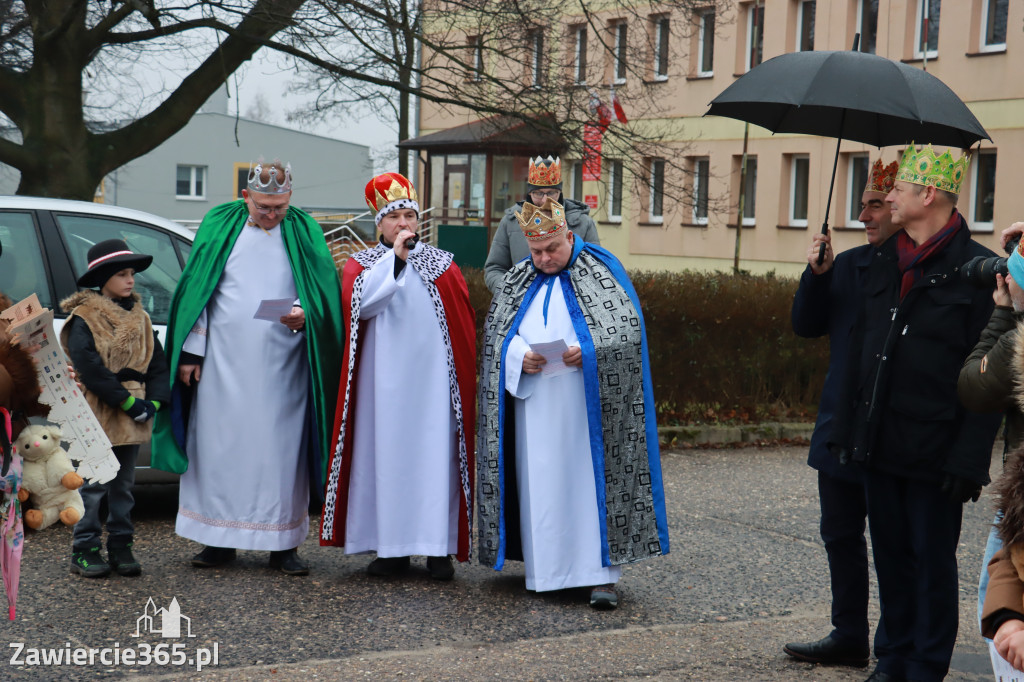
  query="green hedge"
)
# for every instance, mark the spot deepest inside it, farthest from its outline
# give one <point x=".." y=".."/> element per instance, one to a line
<point x="721" y="346"/>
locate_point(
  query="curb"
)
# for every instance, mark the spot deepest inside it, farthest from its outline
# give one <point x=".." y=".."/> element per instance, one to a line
<point x="693" y="435"/>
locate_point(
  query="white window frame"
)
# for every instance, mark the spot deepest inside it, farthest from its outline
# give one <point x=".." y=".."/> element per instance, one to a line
<point x="621" y="47"/>
<point x="192" y="195"/>
<point x="662" y="34"/>
<point x="801" y="18"/>
<point x="477" y="44"/>
<point x="580" y="64"/>
<point x="918" y="21"/>
<point x="655" y="187"/>
<point x="750" y="35"/>
<point x="703" y="42"/>
<point x="793" y="163"/>
<point x="976" y="225"/>
<point x="860" y="25"/>
<point x="854" y="209"/>
<point x="987" y="6"/>
<point x="575" y="173"/>
<point x="615" y="173"/>
<point x="699" y="187"/>
<point x="537" y="60"/>
<point x="751" y="220"/>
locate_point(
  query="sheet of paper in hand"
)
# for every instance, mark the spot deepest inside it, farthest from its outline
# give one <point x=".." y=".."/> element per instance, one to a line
<point x="32" y="325"/>
<point x="552" y="352"/>
<point x="273" y="309"/>
<point x="1003" y="671"/>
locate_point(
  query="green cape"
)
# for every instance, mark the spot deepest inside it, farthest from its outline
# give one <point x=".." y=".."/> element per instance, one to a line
<point x="316" y="280"/>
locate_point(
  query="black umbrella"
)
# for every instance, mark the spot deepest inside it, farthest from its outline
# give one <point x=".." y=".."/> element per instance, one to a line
<point x="849" y="95"/>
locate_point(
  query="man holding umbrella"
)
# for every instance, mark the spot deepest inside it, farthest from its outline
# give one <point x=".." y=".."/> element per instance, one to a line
<point x="826" y="303"/>
<point x="924" y="454"/>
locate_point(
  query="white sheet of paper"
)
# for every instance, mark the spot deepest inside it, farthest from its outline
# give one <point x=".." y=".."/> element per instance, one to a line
<point x="273" y="309"/>
<point x="552" y="352"/>
<point x="1003" y="671"/>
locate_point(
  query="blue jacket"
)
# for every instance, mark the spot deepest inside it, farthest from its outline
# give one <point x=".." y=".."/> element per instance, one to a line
<point x="828" y="304"/>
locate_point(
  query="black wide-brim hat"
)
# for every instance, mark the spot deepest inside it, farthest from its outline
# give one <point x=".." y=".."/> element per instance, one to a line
<point x="108" y="258"/>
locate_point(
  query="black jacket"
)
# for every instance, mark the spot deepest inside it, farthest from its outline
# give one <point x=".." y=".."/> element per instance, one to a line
<point x="901" y="413"/>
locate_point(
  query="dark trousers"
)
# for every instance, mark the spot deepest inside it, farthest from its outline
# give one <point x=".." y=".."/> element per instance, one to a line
<point x="843" y="521"/>
<point x="88" y="531"/>
<point x="914" y="534"/>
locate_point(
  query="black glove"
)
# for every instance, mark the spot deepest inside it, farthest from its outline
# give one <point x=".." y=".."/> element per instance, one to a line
<point x="844" y="456"/>
<point x="960" y="490"/>
<point x="141" y="410"/>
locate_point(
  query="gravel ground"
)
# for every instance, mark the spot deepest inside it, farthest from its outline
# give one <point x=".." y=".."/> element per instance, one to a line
<point x="746" y="574"/>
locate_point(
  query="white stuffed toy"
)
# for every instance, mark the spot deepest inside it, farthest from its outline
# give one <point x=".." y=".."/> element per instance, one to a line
<point x="49" y="482"/>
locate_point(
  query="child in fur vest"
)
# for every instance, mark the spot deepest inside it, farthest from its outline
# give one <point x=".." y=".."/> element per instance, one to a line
<point x="110" y="340"/>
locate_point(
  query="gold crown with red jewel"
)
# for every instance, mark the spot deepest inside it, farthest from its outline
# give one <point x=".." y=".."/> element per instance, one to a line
<point x="882" y="178"/>
<point x="540" y="223"/>
<point x="545" y="172"/>
<point x="388" y="192"/>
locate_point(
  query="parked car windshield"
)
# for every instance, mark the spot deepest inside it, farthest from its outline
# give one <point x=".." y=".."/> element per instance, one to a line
<point x="155" y="284"/>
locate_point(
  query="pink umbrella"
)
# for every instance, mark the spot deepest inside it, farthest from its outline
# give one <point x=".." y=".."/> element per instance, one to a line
<point x="12" y="534"/>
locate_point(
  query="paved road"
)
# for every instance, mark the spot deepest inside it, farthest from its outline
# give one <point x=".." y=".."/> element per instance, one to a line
<point x="746" y="574"/>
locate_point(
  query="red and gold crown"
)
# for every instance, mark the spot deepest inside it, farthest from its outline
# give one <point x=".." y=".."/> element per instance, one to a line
<point x="542" y="223"/>
<point x="388" y="192"/>
<point x="545" y="172"/>
<point x="882" y="178"/>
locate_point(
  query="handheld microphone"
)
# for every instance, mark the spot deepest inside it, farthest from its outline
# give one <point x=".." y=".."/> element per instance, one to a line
<point x="410" y="243"/>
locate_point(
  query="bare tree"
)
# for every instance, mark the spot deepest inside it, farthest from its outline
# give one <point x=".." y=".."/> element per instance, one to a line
<point x="83" y="83"/>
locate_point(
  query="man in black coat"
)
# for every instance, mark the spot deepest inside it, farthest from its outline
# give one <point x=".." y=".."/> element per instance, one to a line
<point x="827" y="302"/>
<point x="924" y="454"/>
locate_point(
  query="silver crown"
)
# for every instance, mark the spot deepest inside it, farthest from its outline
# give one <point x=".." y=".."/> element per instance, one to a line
<point x="273" y="185"/>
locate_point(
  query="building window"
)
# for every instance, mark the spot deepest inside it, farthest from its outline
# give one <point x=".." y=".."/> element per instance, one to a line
<point x="661" y="43"/>
<point x="805" y="26"/>
<point x="993" y="24"/>
<point x="579" y="75"/>
<point x="755" y="34"/>
<point x="749" y="190"/>
<point x="191" y="182"/>
<point x="576" y="181"/>
<point x="926" y="29"/>
<point x="615" y="191"/>
<point x="621" y="61"/>
<point x="984" y="195"/>
<point x="867" y="24"/>
<point x="657" y="189"/>
<point x="799" y="181"/>
<point x="706" y="43"/>
<point x="701" y="178"/>
<point x="476" y="57"/>
<point x="537" y="59"/>
<point x="858" y="174"/>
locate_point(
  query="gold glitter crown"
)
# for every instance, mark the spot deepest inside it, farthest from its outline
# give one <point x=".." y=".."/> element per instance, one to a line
<point x="545" y="172"/>
<point x="882" y="178"/>
<point x="925" y="168"/>
<point x="540" y="223"/>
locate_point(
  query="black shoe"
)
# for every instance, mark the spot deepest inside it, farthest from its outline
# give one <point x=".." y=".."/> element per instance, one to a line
<point x="213" y="556"/>
<point x="288" y="562"/>
<point x="830" y="652"/>
<point x="604" y="598"/>
<point x="441" y="567"/>
<point x="879" y="676"/>
<point x="122" y="561"/>
<point x="90" y="563"/>
<point x="383" y="567"/>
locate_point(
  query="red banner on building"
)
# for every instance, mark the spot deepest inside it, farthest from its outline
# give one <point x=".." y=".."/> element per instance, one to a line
<point x="592" y="135"/>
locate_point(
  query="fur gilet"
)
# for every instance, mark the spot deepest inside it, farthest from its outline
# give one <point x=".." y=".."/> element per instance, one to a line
<point x="124" y="340"/>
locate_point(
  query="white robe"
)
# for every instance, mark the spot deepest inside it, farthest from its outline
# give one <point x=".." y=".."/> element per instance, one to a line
<point x="558" y="513"/>
<point x="247" y="483"/>
<point x="404" y="484"/>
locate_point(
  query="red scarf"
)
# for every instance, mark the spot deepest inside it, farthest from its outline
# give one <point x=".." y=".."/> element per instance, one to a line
<point x="912" y="258"/>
